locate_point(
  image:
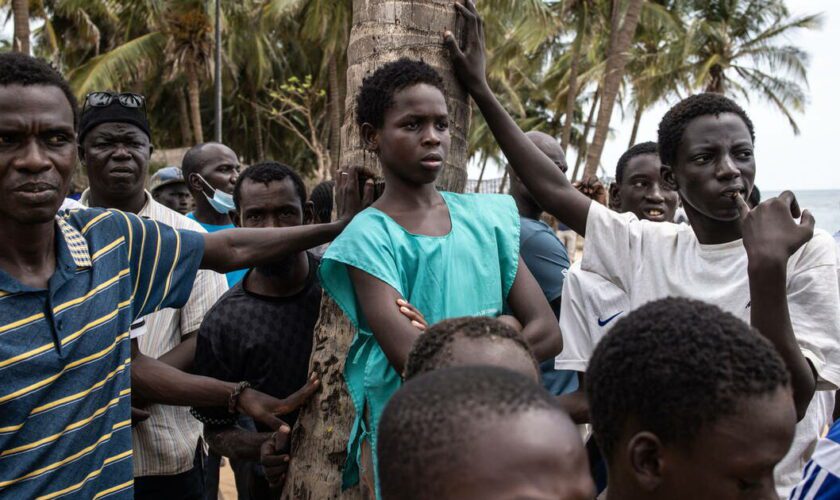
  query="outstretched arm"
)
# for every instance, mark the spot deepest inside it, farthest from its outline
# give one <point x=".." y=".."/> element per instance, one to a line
<point x="240" y="248"/>
<point x="539" y="325"/>
<point x="153" y="381"/>
<point x="771" y="236"/>
<point x="549" y="186"/>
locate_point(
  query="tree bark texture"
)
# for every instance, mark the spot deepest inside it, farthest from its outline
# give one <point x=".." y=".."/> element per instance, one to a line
<point x="584" y="144"/>
<point x="383" y="31"/>
<point x="183" y="117"/>
<point x="194" y="93"/>
<point x="335" y="110"/>
<point x="571" y="95"/>
<point x="637" y="118"/>
<point x="620" y="40"/>
<point x="20" y="14"/>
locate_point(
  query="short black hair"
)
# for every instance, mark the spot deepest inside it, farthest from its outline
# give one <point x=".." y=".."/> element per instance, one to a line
<point x="266" y="172"/>
<point x="643" y="148"/>
<point x="428" y="423"/>
<point x="755" y="197"/>
<point x="674" y="366"/>
<point x="322" y="200"/>
<point x="378" y="89"/>
<point x="20" y="69"/>
<point x="432" y="350"/>
<point x="191" y="163"/>
<point x="673" y="124"/>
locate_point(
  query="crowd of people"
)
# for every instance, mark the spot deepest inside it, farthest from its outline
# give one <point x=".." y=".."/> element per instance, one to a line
<point x="163" y="324"/>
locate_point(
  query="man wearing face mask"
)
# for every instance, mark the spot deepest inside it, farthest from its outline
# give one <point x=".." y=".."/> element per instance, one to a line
<point x="211" y="170"/>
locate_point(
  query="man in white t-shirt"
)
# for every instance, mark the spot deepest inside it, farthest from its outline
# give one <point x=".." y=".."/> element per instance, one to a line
<point x="591" y="304"/>
<point x="762" y="265"/>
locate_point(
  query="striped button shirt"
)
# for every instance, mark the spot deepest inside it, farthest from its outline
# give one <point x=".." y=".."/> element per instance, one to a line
<point x="64" y="352"/>
<point x="821" y="480"/>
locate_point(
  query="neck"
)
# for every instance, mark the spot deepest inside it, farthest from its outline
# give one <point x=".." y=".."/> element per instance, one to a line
<point x="280" y="286"/>
<point x="401" y="195"/>
<point x="132" y="203"/>
<point x="619" y="490"/>
<point x="28" y="251"/>
<point x="528" y="208"/>
<point x="206" y="214"/>
<point x="710" y="231"/>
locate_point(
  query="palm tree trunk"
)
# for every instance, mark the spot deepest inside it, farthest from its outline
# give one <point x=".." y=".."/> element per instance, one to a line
<point x="183" y="117"/>
<point x="571" y="95"/>
<point x="620" y="40"/>
<point x="194" y="93"/>
<point x="20" y="10"/>
<point x="334" y="143"/>
<point x="481" y="174"/>
<point x="584" y="145"/>
<point x="637" y="117"/>
<point x="258" y="131"/>
<point x="383" y="30"/>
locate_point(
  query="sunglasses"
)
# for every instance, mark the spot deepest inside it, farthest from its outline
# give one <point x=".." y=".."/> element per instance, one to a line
<point x="126" y="100"/>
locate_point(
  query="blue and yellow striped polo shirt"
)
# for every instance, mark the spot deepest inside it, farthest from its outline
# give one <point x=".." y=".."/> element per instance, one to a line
<point x="65" y="387"/>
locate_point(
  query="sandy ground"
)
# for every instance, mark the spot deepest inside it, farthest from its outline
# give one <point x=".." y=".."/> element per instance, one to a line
<point x="227" y="486"/>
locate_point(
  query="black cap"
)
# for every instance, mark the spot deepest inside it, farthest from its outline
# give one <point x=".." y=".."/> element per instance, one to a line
<point x="112" y="113"/>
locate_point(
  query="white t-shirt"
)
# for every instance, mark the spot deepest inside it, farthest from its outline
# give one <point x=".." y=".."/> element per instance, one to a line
<point x="650" y="261"/>
<point x="590" y="306"/>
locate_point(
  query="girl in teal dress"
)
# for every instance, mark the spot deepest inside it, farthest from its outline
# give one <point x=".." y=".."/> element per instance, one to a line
<point x="447" y="254"/>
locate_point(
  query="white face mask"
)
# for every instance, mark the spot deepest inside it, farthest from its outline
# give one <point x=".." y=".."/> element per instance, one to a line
<point x="220" y="201"/>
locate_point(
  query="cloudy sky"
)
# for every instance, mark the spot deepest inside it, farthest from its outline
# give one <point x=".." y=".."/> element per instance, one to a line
<point x="785" y="161"/>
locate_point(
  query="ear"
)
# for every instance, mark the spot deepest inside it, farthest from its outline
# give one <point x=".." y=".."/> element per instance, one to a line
<point x="615" y="196"/>
<point x="308" y="213"/>
<point x="151" y="150"/>
<point x="194" y="184"/>
<point x="370" y="137"/>
<point x="236" y="219"/>
<point x="668" y="177"/>
<point x="645" y="457"/>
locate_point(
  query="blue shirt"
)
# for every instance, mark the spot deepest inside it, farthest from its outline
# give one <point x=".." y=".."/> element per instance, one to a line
<point x="548" y="261"/>
<point x="233" y="277"/>
<point x="821" y="478"/>
<point x="65" y="419"/>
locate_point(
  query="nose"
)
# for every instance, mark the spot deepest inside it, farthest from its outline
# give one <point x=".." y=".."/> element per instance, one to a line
<point x="726" y="168"/>
<point x="654" y="194"/>
<point x="431" y="136"/>
<point x="120" y="151"/>
<point x="32" y="158"/>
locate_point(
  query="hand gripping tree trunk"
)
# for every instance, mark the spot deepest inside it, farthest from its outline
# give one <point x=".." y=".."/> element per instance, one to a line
<point x="620" y="40"/>
<point x="383" y="31"/>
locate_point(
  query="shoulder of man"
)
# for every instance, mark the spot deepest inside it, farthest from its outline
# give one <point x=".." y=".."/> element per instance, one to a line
<point x="161" y="213"/>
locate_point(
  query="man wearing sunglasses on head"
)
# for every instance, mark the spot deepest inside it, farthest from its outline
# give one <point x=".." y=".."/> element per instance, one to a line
<point x="115" y="149"/>
<point x="71" y="284"/>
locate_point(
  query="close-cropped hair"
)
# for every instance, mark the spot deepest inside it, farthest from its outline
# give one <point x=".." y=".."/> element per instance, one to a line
<point x="675" y="121"/>
<point x="20" y="69"/>
<point x="266" y="172"/>
<point x="674" y="366"/>
<point x="426" y="429"/>
<point x="377" y="93"/>
<point x="643" y="148"/>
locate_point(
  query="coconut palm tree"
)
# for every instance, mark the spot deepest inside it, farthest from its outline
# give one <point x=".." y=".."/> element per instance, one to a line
<point x="741" y="48"/>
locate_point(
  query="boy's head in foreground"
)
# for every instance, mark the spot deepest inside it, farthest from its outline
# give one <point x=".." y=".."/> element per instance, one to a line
<point x="689" y="402"/>
<point x="479" y="432"/>
<point x="706" y="146"/>
<point x="638" y="185"/>
<point x="402" y="115"/>
<point x="471" y="341"/>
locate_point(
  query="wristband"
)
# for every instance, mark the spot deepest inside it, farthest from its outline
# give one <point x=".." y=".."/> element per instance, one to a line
<point x="234" y="396"/>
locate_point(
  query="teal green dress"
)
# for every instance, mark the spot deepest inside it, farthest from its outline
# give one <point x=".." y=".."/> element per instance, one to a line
<point x="467" y="272"/>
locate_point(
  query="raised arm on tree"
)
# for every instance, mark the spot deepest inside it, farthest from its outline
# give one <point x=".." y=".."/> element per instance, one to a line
<point x="549" y="186"/>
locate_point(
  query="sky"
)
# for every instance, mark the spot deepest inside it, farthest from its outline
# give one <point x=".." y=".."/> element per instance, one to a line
<point x="784" y="161"/>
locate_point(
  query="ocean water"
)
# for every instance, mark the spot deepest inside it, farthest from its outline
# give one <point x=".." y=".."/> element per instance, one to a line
<point x="824" y="204"/>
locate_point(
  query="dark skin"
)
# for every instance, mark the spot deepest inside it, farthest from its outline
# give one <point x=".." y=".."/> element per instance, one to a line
<point x="642" y="192"/>
<point x="715" y="167"/>
<point x="175" y="196"/>
<point x="220" y="168"/>
<point x="37" y="156"/>
<point x="524" y="201"/>
<point x="412" y="146"/>
<point x="117" y="156"/>
<point x="738" y="453"/>
<point x="275" y="204"/>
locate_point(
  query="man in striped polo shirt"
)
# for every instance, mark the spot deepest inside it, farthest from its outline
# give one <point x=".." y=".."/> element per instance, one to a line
<point x="70" y="288"/>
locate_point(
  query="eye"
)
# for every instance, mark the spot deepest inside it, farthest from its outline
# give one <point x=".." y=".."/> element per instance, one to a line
<point x="412" y="125"/>
<point x="443" y="125"/>
<point x="745" y="154"/>
<point x="254" y="217"/>
<point x="57" y="139"/>
<point x="640" y="184"/>
<point x="701" y="158"/>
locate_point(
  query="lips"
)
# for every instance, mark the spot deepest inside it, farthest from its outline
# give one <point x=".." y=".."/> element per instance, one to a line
<point x="36" y="192"/>
<point x="432" y="161"/>
<point x="732" y="192"/>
